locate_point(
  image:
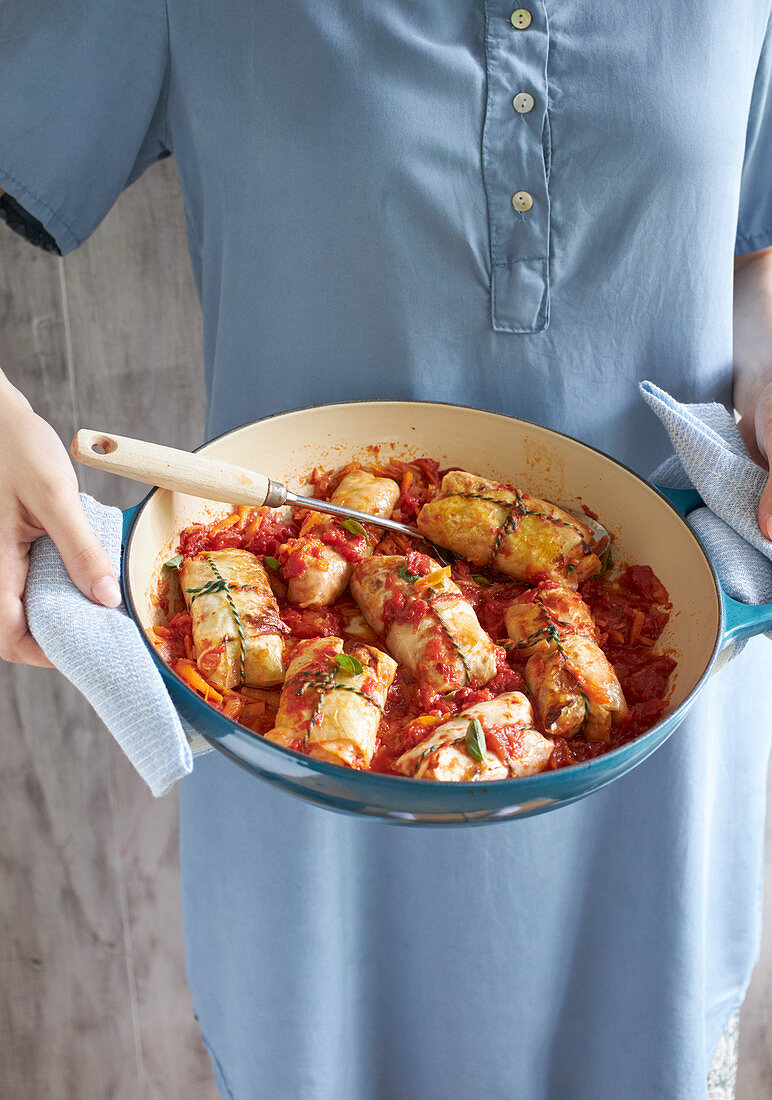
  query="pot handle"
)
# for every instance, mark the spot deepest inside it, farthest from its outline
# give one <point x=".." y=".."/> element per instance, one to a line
<point x="744" y="620"/>
<point x="683" y="500"/>
<point x="741" y="620"/>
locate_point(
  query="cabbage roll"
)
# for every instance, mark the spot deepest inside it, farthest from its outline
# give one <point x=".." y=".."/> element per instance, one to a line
<point x="237" y="632"/>
<point x="520" y="535"/>
<point x="533" y="618"/>
<point x="329" y="709"/>
<point x="453" y="751"/>
<point x="574" y="686"/>
<point x="426" y="623"/>
<point x="320" y="572"/>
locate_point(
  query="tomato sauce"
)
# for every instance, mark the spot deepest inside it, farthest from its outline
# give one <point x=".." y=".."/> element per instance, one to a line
<point x="350" y="547"/>
<point x="630" y="611"/>
<point x="505" y="742"/>
<point x="306" y="622"/>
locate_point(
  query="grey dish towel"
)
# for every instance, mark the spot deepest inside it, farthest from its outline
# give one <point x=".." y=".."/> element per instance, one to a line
<point x="101" y="651"/>
<point x="711" y="457"/>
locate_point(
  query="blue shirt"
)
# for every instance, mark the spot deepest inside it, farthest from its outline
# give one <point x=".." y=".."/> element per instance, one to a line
<point x="371" y="214"/>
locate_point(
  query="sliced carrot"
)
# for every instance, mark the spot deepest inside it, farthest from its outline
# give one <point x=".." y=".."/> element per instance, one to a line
<point x="224" y="524"/>
<point x="311" y="521"/>
<point x="635" y="631"/>
<point x="255" y="520"/>
<point x="432" y="579"/>
<point x="190" y="674"/>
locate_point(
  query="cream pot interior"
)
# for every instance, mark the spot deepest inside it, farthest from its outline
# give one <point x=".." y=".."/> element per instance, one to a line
<point x="646" y="529"/>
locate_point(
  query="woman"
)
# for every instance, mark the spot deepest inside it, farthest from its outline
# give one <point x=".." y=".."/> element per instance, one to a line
<point x="526" y="210"/>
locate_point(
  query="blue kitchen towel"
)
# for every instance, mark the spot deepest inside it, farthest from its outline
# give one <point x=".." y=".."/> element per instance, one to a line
<point x="100" y="650"/>
<point x="711" y="457"/>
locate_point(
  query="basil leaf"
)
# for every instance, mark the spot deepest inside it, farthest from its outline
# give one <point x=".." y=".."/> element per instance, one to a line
<point x="481" y="580"/>
<point x="271" y="562"/>
<point x="353" y="526"/>
<point x="407" y="575"/>
<point x="475" y="740"/>
<point x="349" y="663"/>
<point x="174" y="563"/>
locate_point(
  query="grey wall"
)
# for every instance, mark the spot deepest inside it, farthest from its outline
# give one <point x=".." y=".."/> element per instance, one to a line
<point x="93" y="1002"/>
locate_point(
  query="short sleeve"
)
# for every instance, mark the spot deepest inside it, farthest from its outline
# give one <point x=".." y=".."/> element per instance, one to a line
<point x="754" y="224"/>
<point x="82" y="106"/>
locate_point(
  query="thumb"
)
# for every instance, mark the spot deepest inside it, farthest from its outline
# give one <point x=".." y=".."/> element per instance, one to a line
<point x="83" y="556"/>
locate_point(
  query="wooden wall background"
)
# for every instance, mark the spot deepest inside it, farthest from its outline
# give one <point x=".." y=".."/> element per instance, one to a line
<point x="93" y="1000"/>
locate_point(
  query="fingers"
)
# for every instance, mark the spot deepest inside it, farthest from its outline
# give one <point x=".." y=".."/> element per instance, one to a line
<point x="763" y="424"/>
<point x="18" y="646"/>
<point x="16" y="643"/>
<point x="83" y="556"/>
<point x="765" y="510"/>
<point x="39" y="494"/>
<point x="747" y="429"/>
<point x="86" y="562"/>
<point x="24" y="650"/>
<point x="28" y="652"/>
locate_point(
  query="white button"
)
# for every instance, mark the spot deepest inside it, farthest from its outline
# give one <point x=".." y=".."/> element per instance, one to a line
<point x="522" y="201"/>
<point x="520" y="19"/>
<point x="523" y="103"/>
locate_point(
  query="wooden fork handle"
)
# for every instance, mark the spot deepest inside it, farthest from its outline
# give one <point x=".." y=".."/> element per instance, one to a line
<point x="169" y="468"/>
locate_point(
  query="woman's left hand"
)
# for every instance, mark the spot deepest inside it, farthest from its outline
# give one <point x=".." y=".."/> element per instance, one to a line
<point x="753" y="364"/>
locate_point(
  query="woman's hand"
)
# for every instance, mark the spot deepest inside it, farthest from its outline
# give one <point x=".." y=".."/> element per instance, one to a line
<point x="39" y="495"/>
<point x="753" y="364"/>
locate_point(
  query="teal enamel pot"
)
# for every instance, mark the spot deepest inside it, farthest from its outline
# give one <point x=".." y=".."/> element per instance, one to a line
<point x="648" y="527"/>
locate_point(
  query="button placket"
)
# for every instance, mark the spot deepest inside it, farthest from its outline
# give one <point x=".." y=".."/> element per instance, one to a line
<point x="514" y="165"/>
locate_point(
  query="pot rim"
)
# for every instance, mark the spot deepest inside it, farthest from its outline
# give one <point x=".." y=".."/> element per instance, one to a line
<point x="673" y="719"/>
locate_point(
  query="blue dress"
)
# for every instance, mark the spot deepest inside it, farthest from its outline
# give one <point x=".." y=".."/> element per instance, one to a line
<point x="526" y="211"/>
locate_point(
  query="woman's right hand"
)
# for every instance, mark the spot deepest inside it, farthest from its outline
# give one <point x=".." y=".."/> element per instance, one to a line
<point x="38" y="496"/>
